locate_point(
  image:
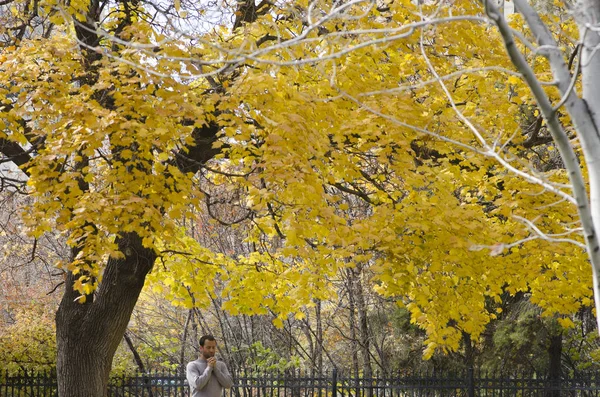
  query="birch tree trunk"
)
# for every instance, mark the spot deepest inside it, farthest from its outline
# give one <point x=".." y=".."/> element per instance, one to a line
<point x="583" y="110"/>
<point x="589" y="15"/>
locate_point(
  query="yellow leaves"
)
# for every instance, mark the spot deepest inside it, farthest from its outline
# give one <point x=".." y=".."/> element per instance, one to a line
<point x="566" y="322"/>
<point x="446" y="287"/>
<point x="28" y="340"/>
<point x="96" y="175"/>
<point x="163" y="156"/>
<point x="339" y="165"/>
<point x="300" y="316"/>
<point x="429" y="350"/>
<point x="84" y="285"/>
<point x="514" y="80"/>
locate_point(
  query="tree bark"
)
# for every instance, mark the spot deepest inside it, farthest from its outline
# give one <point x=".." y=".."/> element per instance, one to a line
<point x="590" y="138"/>
<point x="88" y="334"/>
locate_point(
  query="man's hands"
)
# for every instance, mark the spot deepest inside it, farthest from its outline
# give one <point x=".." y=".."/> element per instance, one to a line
<point x="212" y="362"/>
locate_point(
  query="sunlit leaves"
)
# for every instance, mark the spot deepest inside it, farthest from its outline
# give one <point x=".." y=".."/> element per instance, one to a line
<point x="364" y="139"/>
<point x="372" y="124"/>
<point x="103" y="169"/>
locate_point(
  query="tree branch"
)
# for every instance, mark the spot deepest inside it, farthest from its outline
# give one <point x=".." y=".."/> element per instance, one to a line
<point x="581" y="118"/>
<point x="15" y="153"/>
<point x="201" y="151"/>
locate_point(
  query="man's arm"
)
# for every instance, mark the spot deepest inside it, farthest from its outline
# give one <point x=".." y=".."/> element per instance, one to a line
<point x="222" y="374"/>
<point x="196" y="379"/>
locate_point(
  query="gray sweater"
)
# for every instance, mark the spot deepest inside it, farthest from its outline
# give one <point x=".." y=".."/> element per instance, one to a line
<point x="205" y="381"/>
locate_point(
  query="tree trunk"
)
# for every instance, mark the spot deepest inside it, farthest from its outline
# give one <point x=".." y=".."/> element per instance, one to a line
<point x="555" y="363"/>
<point x="89" y="333"/>
<point x="306" y="327"/>
<point x="136" y="356"/>
<point x="319" y="342"/>
<point x="363" y="320"/>
<point x="363" y="327"/>
<point x="188" y="320"/>
<point x="588" y="14"/>
<point x="469" y="352"/>
<point x="352" y="320"/>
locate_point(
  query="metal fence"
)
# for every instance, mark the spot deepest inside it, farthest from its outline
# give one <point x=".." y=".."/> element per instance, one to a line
<point x="332" y="384"/>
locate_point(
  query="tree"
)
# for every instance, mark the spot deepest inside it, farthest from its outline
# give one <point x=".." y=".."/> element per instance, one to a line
<point x="328" y="130"/>
<point x="371" y="119"/>
<point x="358" y="71"/>
<point x="82" y="90"/>
<point x="580" y="110"/>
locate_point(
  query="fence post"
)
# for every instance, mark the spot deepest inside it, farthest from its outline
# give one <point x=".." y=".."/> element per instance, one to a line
<point x="470" y="382"/>
<point x="334" y="380"/>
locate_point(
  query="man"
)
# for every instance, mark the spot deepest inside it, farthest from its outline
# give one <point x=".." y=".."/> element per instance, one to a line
<point x="206" y="376"/>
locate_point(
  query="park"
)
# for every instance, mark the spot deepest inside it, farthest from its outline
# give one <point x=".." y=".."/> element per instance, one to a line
<point x="366" y="198"/>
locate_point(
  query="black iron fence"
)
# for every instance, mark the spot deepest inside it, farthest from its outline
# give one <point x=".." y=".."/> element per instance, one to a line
<point x="332" y="384"/>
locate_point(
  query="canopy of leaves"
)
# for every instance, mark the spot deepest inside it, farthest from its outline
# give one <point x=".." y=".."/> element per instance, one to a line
<point x="393" y="136"/>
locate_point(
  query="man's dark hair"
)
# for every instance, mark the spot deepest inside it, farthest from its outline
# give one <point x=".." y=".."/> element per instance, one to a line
<point x="204" y="338"/>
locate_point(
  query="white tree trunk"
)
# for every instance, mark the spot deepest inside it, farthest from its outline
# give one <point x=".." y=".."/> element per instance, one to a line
<point x="589" y="15"/>
<point x="582" y="110"/>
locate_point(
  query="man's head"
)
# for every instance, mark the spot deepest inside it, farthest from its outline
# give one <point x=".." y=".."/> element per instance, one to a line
<point x="208" y="346"/>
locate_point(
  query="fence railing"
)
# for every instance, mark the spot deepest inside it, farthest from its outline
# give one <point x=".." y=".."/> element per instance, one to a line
<point x="332" y="384"/>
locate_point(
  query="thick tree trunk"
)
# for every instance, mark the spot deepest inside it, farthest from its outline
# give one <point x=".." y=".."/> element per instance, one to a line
<point x="77" y="361"/>
<point x="89" y="333"/>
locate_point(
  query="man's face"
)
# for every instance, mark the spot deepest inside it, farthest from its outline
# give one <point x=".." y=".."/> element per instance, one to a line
<point x="209" y="349"/>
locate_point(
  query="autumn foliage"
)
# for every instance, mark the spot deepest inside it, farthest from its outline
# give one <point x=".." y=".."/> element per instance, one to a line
<point x="373" y="137"/>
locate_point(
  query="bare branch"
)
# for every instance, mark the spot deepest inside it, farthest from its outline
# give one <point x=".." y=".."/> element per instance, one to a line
<point x="548" y="237"/>
<point x="573" y="81"/>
